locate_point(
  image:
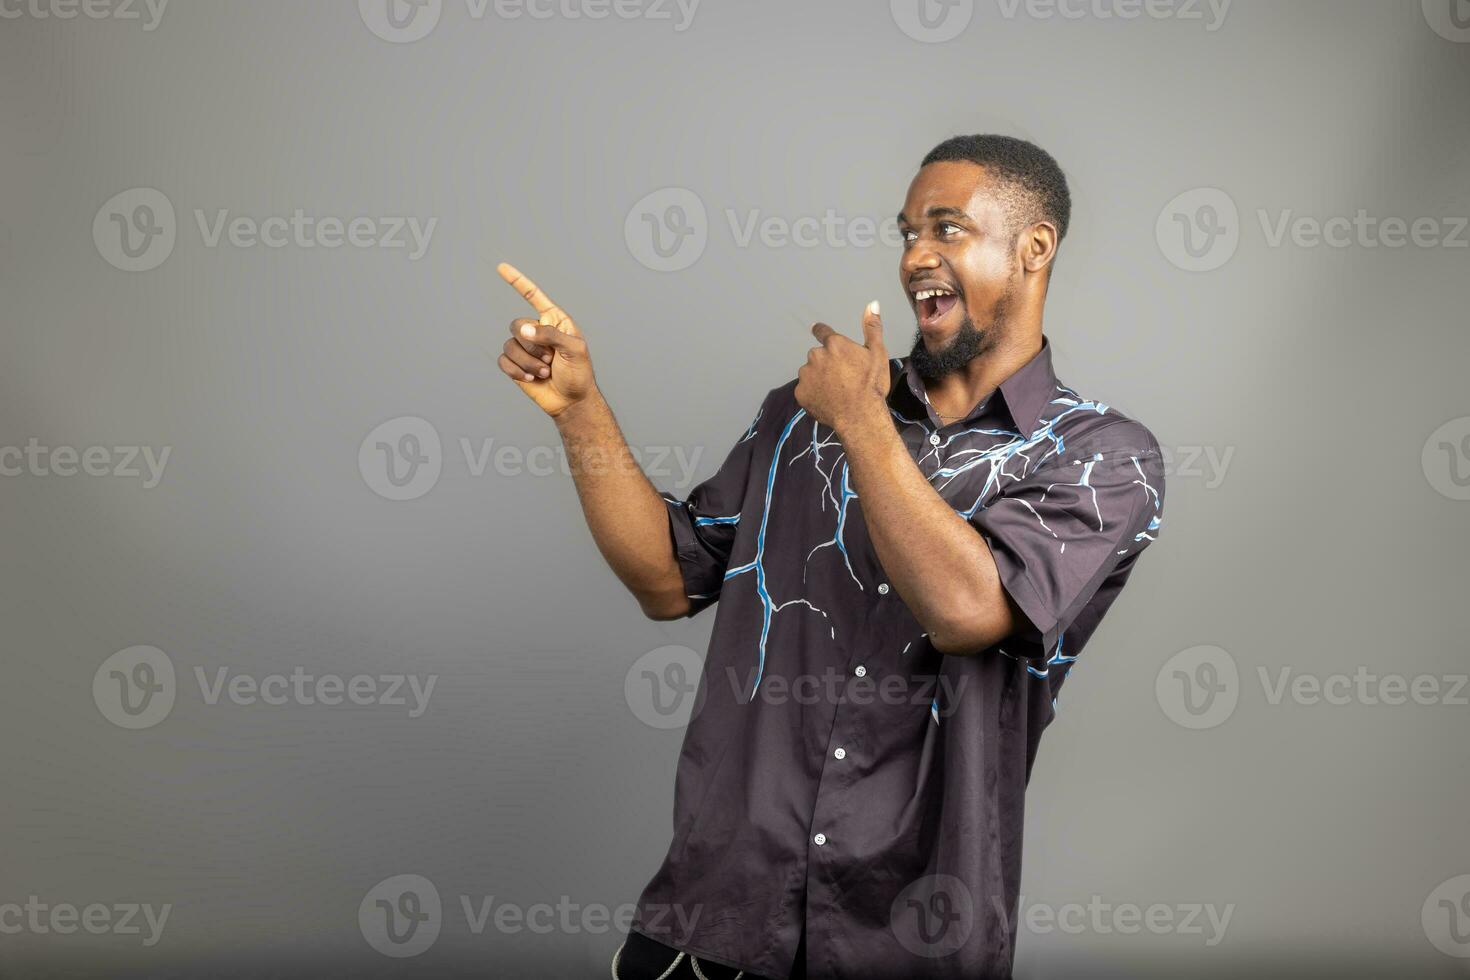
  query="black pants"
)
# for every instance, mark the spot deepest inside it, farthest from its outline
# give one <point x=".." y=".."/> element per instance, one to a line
<point x="642" y="958"/>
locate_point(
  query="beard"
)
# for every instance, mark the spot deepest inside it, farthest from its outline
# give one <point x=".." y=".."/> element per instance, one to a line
<point x="966" y="345"/>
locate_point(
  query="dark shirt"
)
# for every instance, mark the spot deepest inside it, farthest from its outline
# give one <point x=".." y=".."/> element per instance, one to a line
<point x="837" y="766"/>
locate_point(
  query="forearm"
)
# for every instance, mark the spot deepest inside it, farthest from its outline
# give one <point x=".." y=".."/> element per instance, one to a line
<point x="627" y="517"/>
<point x="940" y="565"/>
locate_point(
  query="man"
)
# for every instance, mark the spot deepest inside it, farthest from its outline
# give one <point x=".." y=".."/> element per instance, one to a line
<point x="908" y="555"/>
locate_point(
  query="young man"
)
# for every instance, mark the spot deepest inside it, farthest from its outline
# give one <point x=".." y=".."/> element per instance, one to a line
<point x="908" y="555"/>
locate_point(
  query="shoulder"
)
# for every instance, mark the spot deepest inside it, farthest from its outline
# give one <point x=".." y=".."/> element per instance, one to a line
<point x="780" y="403"/>
<point x="775" y="414"/>
<point x="1080" y="427"/>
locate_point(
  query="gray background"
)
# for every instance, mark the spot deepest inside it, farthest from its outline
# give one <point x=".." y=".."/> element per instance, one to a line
<point x="1323" y="547"/>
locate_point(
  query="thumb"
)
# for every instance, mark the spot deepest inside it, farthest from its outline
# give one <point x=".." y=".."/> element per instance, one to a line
<point x="873" y="330"/>
<point x="543" y="333"/>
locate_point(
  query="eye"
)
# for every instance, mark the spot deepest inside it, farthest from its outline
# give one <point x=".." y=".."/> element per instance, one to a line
<point x="909" y="234"/>
<point x="949" y="227"/>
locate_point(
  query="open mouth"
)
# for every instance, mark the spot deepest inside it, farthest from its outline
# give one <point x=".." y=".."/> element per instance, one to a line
<point x="933" y="302"/>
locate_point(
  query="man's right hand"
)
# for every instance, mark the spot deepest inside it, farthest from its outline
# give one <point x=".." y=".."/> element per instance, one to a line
<point x="547" y="357"/>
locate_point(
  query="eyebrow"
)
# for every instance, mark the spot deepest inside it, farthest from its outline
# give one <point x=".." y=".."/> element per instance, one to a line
<point x="937" y="212"/>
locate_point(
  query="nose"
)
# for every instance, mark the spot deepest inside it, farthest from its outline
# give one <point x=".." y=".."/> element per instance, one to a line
<point x="919" y="257"/>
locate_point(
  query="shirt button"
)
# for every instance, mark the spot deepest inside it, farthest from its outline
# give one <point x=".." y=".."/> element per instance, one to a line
<point x="882" y="588"/>
<point x="840" y="752"/>
<point x="933" y="438"/>
<point x="861" y="671"/>
<point x="820" y="839"/>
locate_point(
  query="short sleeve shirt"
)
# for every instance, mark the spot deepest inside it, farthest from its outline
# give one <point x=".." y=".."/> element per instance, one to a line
<point x="838" y="770"/>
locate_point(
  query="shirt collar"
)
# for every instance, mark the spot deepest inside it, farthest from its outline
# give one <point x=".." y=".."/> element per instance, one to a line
<point x="1025" y="393"/>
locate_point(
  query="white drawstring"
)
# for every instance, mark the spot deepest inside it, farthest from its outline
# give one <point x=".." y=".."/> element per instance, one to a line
<point x="700" y="973"/>
<point x="662" y="976"/>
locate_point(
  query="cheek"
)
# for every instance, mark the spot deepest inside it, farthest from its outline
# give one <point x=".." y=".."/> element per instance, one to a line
<point x="985" y="273"/>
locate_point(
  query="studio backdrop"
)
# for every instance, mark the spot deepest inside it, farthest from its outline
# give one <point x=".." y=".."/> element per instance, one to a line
<point x="301" y="619"/>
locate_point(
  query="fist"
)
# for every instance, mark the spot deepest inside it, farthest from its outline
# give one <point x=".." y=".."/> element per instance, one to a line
<point x="842" y="381"/>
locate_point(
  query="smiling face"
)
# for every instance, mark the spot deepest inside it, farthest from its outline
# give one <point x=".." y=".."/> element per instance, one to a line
<point x="963" y="264"/>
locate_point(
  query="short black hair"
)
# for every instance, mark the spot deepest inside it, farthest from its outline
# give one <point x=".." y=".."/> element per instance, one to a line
<point x="1039" y="186"/>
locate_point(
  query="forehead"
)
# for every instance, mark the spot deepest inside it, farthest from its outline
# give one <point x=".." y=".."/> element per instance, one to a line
<point x="957" y="184"/>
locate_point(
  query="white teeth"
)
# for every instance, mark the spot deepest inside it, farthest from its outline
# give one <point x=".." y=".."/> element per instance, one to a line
<point x="929" y="293"/>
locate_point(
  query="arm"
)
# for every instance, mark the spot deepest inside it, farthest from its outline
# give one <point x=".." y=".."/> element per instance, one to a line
<point x="548" y="359"/>
<point x="627" y="517"/>
<point x="938" y="562"/>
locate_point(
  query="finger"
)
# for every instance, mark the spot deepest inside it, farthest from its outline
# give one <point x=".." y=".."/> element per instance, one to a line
<point x="515" y="373"/>
<point x="528" y="289"/>
<point x="549" y="312"/>
<point x="873" y="330"/>
<point x="821" y="331"/>
<point x="524" y="360"/>
<point x="535" y="350"/>
<point x="563" y="344"/>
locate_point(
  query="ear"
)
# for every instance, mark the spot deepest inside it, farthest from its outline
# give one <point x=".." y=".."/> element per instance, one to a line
<point x="1038" y="246"/>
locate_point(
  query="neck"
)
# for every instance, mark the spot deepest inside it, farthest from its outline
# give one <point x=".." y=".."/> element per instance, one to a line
<point x="955" y="395"/>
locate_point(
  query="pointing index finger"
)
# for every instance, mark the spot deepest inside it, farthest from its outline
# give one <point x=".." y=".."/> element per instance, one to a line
<point x="551" y="314"/>
<point x="528" y="289"/>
